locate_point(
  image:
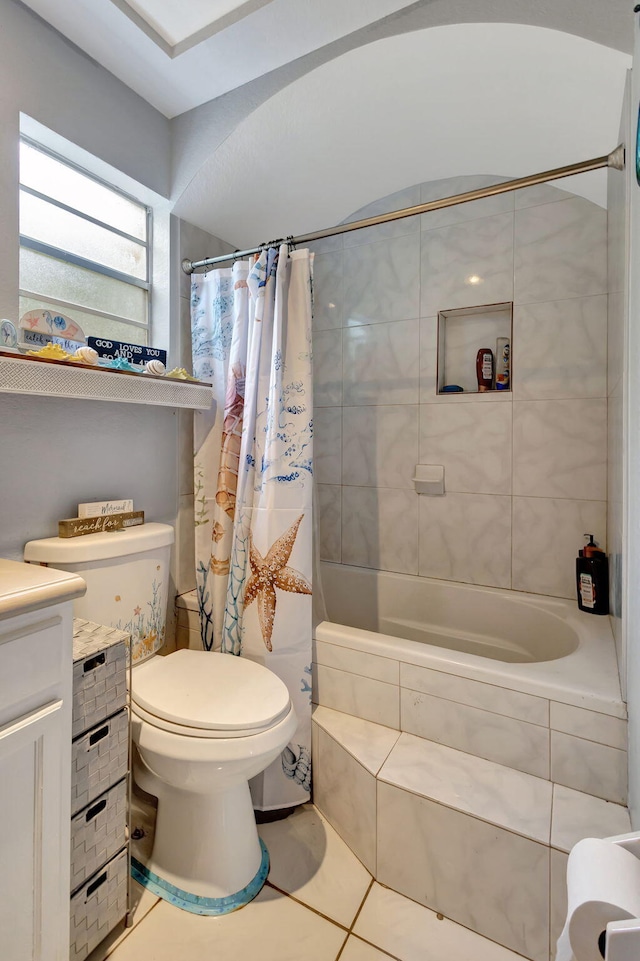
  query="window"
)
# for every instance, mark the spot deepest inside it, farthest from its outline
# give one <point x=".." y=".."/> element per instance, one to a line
<point x="84" y="248"/>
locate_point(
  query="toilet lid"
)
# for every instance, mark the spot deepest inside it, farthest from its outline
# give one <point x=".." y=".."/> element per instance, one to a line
<point x="210" y="691"/>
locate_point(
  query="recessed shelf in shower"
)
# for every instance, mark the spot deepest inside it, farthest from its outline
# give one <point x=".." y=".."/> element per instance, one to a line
<point x="462" y="331"/>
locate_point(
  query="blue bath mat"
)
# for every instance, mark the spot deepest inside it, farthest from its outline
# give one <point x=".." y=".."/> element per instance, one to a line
<point x="195" y="903"/>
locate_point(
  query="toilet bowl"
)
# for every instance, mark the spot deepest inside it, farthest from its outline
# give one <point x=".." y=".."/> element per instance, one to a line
<point x="203" y="723"/>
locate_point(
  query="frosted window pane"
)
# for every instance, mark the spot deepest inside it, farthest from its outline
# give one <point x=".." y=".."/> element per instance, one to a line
<point x="42" y="221"/>
<point x="92" y="326"/>
<point x="48" y="276"/>
<point x="48" y="176"/>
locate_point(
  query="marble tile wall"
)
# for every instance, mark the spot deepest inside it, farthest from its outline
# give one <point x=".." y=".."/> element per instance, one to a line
<point x="525" y="472"/>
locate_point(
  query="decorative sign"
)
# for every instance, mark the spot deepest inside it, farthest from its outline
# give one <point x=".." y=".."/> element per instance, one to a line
<point x="77" y="526"/>
<point x="34" y="339"/>
<point x="52" y="325"/>
<point x="100" y="508"/>
<point x="134" y="353"/>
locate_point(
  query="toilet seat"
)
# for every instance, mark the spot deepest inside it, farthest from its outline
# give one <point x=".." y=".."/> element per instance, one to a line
<point x="208" y="695"/>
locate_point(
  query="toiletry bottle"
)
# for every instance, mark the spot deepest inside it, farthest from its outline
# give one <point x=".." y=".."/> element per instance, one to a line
<point x="503" y="351"/>
<point x="592" y="579"/>
<point x="484" y="369"/>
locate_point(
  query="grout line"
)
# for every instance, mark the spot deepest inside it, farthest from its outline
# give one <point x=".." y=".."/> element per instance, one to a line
<point x="382" y="951"/>
<point x="358" y="912"/>
<point x="487" y="710"/>
<point x="476" y="817"/>
<point x="325" y="917"/>
<point x="344" y="944"/>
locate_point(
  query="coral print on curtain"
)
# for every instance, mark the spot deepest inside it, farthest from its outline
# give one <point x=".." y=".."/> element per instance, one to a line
<point x="254" y="479"/>
<point x="219" y="328"/>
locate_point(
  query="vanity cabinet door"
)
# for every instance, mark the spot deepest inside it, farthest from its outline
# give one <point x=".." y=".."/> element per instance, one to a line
<point x="32" y="849"/>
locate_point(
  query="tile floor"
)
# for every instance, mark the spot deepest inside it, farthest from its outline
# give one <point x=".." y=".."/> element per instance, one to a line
<point x="319" y="904"/>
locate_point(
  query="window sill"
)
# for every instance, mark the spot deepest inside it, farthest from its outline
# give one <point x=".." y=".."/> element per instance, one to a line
<point x="20" y="374"/>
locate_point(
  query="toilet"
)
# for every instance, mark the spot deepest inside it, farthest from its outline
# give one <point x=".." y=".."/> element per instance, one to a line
<point x="203" y="723"/>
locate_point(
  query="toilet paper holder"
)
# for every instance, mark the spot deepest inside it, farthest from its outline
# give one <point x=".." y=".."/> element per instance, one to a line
<point x="622" y="941"/>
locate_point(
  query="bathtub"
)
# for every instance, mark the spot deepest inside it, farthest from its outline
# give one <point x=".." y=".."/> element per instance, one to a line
<point x="538" y="645"/>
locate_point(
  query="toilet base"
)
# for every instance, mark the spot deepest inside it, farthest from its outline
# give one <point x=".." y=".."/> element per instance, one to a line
<point x="195" y="903"/>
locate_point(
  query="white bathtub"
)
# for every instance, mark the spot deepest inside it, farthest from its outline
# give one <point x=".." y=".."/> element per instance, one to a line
<point x="525" y="642"/>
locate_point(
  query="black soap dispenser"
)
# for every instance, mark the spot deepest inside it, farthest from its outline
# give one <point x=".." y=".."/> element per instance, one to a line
<point x="592" y="578"/>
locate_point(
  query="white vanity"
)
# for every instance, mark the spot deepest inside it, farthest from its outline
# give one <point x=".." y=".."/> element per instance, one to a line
<point x="36" y="628"/>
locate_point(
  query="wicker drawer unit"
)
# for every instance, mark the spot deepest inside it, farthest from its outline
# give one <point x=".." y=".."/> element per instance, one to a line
<point x="98" y="905"/>
<point x="98" y="832"/>
<point x="99" y="673"/>
<point x="99" y="758"/>
<point x="99" y="785"/>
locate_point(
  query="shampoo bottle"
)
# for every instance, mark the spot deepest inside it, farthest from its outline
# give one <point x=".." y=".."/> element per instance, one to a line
<point x="592" y="579"/>
<point x="502" y="363"/>
<point x="484" y="369"/>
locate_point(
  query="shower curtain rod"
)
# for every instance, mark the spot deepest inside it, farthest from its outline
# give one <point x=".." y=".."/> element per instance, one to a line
<point x="615" y="159"/>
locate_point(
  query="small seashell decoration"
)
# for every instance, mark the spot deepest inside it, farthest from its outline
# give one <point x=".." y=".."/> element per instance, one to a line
<point x="155" y="367"/>
<point x="179" y="373"/>
<point x="50" y="352"/>
<point x="120" y="363"/>
<point x="86" y="355"/>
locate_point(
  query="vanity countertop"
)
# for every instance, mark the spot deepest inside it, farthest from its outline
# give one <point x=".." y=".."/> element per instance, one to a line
<point x="28" y="587"/>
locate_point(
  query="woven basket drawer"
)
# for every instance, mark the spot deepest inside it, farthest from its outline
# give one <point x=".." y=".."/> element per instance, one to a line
<point x="99" y="759"/>
<point x="99" y="673"/>
<point x="98" y="906"/>
<point x="98" y="832"/>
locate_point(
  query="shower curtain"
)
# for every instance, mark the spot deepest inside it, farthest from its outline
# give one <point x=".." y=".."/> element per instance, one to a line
<point x="253" y="473"/>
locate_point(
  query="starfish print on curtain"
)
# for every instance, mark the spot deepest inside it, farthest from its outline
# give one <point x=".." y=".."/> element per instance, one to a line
<point x="270" y="572"/>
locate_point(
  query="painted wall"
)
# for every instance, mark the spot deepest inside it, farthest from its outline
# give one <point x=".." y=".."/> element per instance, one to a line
<point x="54" y="452"/>
<point x="525" y="472"/>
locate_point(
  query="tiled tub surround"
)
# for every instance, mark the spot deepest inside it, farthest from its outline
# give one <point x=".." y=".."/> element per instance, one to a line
<point x="561" y="719"/>
<point x="462" y="781"/>
<point x="482" y="844"/>
<point x="525" y="471"/>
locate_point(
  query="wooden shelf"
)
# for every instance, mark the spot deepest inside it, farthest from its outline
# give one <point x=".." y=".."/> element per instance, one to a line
<point x="20" y="374"/>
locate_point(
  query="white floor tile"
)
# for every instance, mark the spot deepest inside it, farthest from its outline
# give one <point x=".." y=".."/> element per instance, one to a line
<point x="271" y="928"/>
<point x="411" y="932"/>
<point x="357" y="950"/>
<point x="310" y="861"/>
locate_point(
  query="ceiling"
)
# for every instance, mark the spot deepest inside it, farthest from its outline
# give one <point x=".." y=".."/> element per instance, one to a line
<point x="425" y="105"/>
<point x="179" y="55"/>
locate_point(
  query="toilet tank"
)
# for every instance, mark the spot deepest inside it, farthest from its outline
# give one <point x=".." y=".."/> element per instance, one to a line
<point x="127" y="577"/>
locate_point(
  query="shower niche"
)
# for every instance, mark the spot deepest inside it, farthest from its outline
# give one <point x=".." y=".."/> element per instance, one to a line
<point x="462" y="332"/>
